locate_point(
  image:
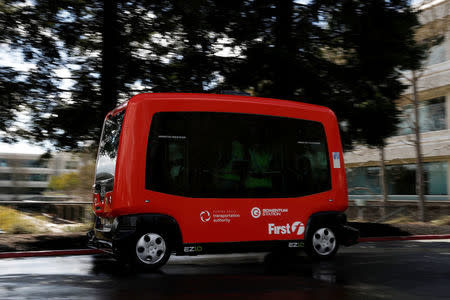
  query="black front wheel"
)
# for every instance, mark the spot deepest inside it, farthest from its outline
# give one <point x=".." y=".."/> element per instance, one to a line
<point x="322" y="243"/>
<point x="151" y="251"/>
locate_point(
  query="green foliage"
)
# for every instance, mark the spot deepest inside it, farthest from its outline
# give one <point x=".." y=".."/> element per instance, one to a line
<point x="346" y="55"/>
<point x="11" y="98"/>
<point x="14" y="221"/>
<point x="64" y="182"/>
<point x="108" y="46"/>
<point x="376" y="42"/>
<point x="22" y="229"/>
<point x="400" y="220"/>
<point x="79" y="182"/>
<point x="342" y="54"/>
<point x="86" y="175"/>
<point x="442" y="221"/>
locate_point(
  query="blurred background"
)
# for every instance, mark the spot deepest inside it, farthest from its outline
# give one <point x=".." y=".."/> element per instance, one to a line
<point x="382" y="66"/>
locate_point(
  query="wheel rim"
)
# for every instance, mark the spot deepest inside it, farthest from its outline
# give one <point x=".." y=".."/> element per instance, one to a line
<point x="150" y="248"/>
<point x="324" y="241"/>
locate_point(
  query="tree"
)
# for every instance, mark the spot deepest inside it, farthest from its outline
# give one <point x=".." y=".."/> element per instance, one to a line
<point x="64" y="182"/>
<point x="77" y="183"/>
<point x="90" y="55"/>
<point x="11" y="97"/>
<point x="280" y="55"/>
<point x="47" y="35"/>
<point x="429" y="36"/>
<point x="378" y="41"/>
<point x="343" y="54"/>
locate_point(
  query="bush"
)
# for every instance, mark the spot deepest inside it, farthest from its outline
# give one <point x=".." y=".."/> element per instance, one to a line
<point x="22" y="229"/>
<point x="64" y="182"/>
<point x="14" y="221"/>
<point x="442" y="221"/>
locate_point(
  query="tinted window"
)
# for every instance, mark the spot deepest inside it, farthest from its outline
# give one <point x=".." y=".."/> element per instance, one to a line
<point x="401" y="179"/>
<point x="216" y="155"/>
<point x="107" y="151"/>
<point x="363" y="180"/>
<point x="432" y="116"/>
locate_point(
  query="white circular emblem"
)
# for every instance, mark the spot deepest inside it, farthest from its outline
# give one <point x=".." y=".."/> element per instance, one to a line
<point x="299" y="227"/>
<point x="205" y="216"/>
<point x="256" y="212"/>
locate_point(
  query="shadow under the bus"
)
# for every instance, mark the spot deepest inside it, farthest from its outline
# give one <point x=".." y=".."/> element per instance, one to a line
<point x="268" y="264"/>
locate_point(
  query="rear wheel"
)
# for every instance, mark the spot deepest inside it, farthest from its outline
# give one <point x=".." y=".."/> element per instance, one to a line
<point x="151" y="251"/>
<point x="322" y="243"/>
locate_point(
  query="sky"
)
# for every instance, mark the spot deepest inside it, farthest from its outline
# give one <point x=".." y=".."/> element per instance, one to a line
<point x="15" y="60"/>
<point x="21" y="147"/>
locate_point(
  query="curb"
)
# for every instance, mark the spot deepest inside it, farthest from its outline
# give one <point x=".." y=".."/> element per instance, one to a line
<point x="405" y="238"/>
<point x="49" y="253"/>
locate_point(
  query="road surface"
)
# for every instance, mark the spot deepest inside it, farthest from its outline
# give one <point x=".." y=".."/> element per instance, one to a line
<point x="384" y="270"/>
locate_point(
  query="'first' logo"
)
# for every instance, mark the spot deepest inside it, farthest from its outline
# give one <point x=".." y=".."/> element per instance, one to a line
<point x="296" y="227"/>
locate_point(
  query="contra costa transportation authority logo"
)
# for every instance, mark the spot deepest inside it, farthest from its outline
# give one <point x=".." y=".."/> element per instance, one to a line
<point x="225" y="216"/>
<point x="205" y="216"/>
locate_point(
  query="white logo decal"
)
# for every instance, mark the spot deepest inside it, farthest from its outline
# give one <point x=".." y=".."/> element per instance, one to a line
<point x="256" y="212"/>
<point x="219" y="216"/>
<point x="193" y="249"/>
<point x="205" y="216"/>
<point x="336" y="160"/>
<point x="296" y="245"/>
<point x="268" y="212"/>
<point x="297" y="227"/>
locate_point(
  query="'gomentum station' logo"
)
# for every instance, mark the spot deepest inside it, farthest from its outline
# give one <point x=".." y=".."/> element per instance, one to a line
<point x="256" y="212"/>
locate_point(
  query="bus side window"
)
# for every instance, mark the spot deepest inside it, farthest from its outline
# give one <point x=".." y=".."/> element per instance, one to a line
<point x="176" y="159"/>
<point x="169" y="167"/>
<point x="217" y="155"/>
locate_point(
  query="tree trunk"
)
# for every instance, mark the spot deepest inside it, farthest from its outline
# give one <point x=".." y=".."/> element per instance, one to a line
<point x="110" y="57"/>
<point x="383" y="184"/>
<point x="284" y="47"/>
<point x="419" y="160"/>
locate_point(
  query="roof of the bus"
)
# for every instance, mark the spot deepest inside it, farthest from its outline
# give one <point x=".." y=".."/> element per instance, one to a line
<point x="221" y="97"/>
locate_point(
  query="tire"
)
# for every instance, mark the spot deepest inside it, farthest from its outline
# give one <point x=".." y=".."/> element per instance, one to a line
<point x="322" y="242"/>
<point x="150" y="251"/>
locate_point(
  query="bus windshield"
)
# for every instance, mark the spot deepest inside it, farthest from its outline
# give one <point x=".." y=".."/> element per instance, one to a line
<point x="107" y="153"/>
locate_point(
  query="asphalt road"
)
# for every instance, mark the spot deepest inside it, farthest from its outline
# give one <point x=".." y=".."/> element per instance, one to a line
<point x="394" y="270"/>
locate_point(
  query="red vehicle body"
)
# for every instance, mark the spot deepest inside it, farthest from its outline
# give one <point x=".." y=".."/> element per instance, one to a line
<point x="192" y="198"/>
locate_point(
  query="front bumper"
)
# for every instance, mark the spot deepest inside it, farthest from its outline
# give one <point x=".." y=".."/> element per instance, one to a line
<point x="95" y="243"/>
<point x="112" y="241"/>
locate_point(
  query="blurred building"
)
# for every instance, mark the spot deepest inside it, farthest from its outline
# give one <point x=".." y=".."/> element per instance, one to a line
<point x="434" y="93"/>
<point x="24" y="176"/>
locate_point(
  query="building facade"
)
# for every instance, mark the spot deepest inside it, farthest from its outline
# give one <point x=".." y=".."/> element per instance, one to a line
<point x="363" y="164"/>
<point x="24" y="176"/>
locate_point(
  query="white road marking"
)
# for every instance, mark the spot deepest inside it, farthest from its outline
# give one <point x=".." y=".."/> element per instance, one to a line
<point x="432" y="241"/>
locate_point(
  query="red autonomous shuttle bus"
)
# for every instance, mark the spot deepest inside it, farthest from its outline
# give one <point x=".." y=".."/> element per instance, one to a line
<point x="203" y="173"/>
